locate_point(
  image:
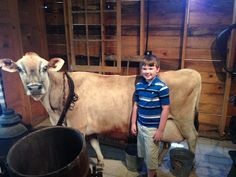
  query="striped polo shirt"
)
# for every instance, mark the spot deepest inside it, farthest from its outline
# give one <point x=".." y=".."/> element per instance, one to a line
<point x="150" y="96"/>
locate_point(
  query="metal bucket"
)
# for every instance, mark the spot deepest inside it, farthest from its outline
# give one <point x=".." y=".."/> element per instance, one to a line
<point x="181" y="160"/>
<point x="131" y="158"/>
<point x="49" y="152"/>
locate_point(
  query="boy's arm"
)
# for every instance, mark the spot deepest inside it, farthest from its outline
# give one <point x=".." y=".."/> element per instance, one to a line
<point x="134" y="119"/>
<point x="164" y="116"/>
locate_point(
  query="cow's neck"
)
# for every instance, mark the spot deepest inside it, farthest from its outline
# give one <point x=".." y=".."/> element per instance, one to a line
<point x="57" y="93"/>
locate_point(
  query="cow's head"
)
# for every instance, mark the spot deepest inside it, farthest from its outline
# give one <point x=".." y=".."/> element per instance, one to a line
<point x="33" y="71"/>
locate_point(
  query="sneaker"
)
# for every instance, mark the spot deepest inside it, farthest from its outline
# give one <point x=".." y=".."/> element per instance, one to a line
<point x="142" y="175"/>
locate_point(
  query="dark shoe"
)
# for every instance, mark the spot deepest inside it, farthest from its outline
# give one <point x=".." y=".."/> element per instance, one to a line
<point x="142" y="175"/>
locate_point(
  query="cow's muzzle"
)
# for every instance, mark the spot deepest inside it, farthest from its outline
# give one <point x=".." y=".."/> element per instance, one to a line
<point x="35" y="89"/>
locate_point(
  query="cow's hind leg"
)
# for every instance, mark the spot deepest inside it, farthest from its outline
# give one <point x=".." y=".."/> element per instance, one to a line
<point x="95" y="144"/>
<point x="163" y="152"/>
<point x="191" y="138"/>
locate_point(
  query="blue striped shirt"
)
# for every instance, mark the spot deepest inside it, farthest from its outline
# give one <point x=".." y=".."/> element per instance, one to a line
<point x="150" y="97"/>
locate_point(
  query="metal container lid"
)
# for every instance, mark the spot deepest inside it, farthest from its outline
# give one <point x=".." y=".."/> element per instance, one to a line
<point x="10" y="125"/>
<point x="12" y="131"/>
<point x="8" y="117"/>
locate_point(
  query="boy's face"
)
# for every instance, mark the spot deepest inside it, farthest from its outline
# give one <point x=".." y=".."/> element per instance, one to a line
<point x="149" y="72"/>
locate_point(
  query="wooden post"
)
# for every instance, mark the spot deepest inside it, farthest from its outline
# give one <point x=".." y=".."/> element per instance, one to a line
<point x="41" y="26"/>
<point x="118" y="36"/>
<point x="87" y="31"/>
<point x="230" y="57"/>
<point x="141" y="42"/>
<point x="185" y="33"/>
<point x="102" y="62"/>
<point x="69" y="34"/>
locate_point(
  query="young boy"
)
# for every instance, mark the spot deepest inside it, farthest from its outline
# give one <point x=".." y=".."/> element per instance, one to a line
<point x="150" y="112"/>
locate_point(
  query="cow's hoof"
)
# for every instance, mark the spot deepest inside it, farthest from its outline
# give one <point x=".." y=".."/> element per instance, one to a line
<point x="100" y="165"/>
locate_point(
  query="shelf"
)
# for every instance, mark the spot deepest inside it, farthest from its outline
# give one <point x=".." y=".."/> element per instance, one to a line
<point x="94" y="30"/>
<point x="93" y="11"/>
<point x="80" y="24"/>
<point x="95" y="68"/>
<point x="94" y="40"/>
<point x="84" y="11"/>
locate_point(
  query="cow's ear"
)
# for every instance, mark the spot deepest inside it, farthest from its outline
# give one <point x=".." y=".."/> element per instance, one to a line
<point x="55" y="64"/>
<point x="8" y="65"/>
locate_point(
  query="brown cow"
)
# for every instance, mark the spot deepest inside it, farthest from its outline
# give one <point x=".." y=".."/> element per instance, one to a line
<point x="105" y="101"/>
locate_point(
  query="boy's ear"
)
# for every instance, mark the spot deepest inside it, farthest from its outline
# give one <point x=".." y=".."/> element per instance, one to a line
<point x="158" y="69"/>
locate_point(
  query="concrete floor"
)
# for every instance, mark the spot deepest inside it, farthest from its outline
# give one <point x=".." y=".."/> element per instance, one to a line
<point x="212" y="160"/>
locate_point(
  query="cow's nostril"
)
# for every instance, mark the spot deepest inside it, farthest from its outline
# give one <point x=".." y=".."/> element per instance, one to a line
<point x="34" y="87"/>
<point x="29" y="87"/>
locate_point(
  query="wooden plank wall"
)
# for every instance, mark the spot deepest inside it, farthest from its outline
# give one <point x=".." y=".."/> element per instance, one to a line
<point x="32" y="28"/>
<point x="207" y="18"/>
<point x="54" y="19"/>
<point x="11" y="47"/>
<point x="22" y="29"/>
<point x="205" y="22"/>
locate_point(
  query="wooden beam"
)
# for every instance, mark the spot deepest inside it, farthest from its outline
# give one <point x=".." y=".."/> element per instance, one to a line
<point x="99" y="69"/>
<point x="102" y="63"/>
<point x="87" y="31"/>
<point x="41" y="27"/>
<point x="230" y="61"/>
<point x="69" y="33"/>
<point x="141" y="42"/>
<point x="118" y="35"/>
<point x="185" y="33"/>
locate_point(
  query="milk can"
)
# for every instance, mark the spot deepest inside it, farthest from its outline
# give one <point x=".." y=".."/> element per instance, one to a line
<point x="11" y="130"/>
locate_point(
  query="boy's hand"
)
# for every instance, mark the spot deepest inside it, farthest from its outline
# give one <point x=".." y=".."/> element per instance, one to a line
<point x="134" y="129"/>
<point x="158" y="135"/>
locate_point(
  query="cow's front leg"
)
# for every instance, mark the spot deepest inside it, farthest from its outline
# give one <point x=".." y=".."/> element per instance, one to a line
<point x="95" y="144"/>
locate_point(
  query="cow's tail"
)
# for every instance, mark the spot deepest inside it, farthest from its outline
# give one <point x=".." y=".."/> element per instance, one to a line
<point x="199" y="88"/>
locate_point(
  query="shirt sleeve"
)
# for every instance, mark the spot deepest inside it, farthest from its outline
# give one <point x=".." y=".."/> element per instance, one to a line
<point x="164" y="95"/>
<point x="136" y="97"/>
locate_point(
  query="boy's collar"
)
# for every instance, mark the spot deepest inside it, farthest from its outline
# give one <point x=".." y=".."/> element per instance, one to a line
<point x="151" y="82"/>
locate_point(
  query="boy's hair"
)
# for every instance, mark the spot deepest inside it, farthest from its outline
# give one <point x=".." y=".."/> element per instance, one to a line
<point x="151" y="60"/>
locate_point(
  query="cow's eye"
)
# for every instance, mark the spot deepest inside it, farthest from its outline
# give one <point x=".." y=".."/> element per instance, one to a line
<point x="19" y="69"/>
<point x="45" y="68"/>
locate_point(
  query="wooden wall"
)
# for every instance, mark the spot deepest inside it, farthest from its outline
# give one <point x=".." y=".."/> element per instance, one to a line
<point x="205" y="22"/>
<point x="182" y="34"/>
<point x="11" y="47"/>
<point x="193" y="48"/>
<point x="32" y="28"/>
<point x="22" y="29"/>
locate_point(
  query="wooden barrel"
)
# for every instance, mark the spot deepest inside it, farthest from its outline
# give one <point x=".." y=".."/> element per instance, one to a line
<point x="49" y="152"/>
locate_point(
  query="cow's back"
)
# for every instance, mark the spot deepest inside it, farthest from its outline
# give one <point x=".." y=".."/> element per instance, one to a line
<point x="105" y="101"/>
<point x="185" y="88"/>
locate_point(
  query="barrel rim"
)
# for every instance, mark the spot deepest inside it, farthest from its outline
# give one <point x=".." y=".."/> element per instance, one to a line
<point x="68" y="166"/>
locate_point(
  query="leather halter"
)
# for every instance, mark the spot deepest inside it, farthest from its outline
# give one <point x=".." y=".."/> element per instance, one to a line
<point x="71" y="99"/>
